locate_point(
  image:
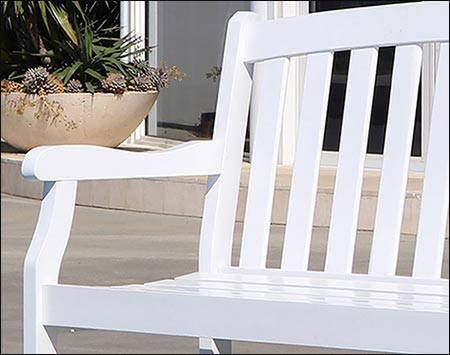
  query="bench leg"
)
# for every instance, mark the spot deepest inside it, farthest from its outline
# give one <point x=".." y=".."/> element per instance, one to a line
<point x="43" y="261"/>
<point x="40" y="340"/>
<point x="214" y="346"/>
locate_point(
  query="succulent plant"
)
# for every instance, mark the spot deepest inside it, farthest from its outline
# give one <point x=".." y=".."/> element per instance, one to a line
<point x="73" y="86"/>
<point x="11" y="86"/>
<point x="149" y="76"/>
<point x="144" y="83"/>
<point x="141" y="68"/>
<point x="163" y="78"/>
<point x="34" y="79"/>
<point x="114" y="83"/>
<point x="214" y="74"/>
<point x="166" y="73"/>
<point x="40" y="81"/>
<point x="53" y="85"/>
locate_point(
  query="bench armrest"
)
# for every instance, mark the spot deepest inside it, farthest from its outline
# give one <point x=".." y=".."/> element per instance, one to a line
<point x="85" y="162"/>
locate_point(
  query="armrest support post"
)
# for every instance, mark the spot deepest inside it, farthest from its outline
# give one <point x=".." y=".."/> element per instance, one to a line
<point x="43" y="259"/>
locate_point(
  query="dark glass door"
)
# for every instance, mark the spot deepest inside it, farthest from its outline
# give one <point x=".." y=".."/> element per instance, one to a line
<point x="380" y="107"/>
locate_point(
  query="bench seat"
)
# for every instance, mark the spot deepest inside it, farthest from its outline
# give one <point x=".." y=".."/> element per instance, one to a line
<point x="308" y="308"/>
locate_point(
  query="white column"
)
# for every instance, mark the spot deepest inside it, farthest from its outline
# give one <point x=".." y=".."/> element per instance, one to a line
<point x="260" y="8"/>
<point x="133" y="19"/>
<point x="124" y="18"/>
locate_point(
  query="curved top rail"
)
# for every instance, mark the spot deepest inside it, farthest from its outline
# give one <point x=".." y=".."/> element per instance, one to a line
<point x="375" y="26"/>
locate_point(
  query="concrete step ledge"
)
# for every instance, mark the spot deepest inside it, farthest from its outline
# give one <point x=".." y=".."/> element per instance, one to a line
<point x="184" y="196"/>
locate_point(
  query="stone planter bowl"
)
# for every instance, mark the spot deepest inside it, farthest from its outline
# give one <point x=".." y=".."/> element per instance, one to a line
<point x="107" y="120"/>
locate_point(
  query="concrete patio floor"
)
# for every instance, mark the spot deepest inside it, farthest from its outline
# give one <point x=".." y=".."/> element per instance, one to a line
<point x="110" y="247"/>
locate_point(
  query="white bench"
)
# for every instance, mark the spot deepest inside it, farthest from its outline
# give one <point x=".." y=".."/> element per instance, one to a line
<point x="291" y="305"/>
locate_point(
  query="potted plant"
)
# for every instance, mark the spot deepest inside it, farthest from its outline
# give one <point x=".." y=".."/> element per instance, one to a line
<point x="68" y="77"/>
<point x="206" y="124"/>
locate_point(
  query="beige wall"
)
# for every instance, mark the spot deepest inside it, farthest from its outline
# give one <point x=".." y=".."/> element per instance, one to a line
<point x="184" y="196"/>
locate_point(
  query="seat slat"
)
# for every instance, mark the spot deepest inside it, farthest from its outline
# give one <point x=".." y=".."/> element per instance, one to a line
<point x="352" y="152"/>
<point x="364" y="284"/>
<point x="307" y="162"/>
<point x="435" y="197"/>
<point x="269" y="112"/>
<point x="397" y="152"/>
<point x="326" y="296"/>
<point x="354" y="295"/>
<point x="401" y="280"/>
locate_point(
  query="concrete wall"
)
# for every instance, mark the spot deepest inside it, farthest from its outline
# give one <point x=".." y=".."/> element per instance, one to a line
<point x="185" y="196"/>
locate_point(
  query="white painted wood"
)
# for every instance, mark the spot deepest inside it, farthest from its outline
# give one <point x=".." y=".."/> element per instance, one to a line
<point x="294" y="90"/>
<point x="326" y="296"/>
<point x="435" y="197"/>
<point x="314" y="282"/>
<point x="307" y="162"/>
<point x="58" y="163"/>
<point x="220" y="207"/>
<point x="261" y="317"/>
<point x="217" y="186"/>
<point x="268" y="10"/>
<point x="263" y="171"/>
<point x="214" y="346"/>
<point x="429" y="67"/>
<point x="379" y="311"/>
<point x="43" y="261"/>
<point x="253" y="116"/>
<point x="260" y="8"/>
<point x="352" y="153"/>
<point x="397" y="150"/>
<point x="373" y="162"/>
<point x="290" y="114"/>
<point x="289" y="128"/>
<point x="351" y="29"/>
<point x="338" y="294"/>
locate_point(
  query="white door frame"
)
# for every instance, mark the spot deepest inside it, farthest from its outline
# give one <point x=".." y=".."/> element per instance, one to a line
<point x="133" y="18"/>
<point x="152" y="24"/>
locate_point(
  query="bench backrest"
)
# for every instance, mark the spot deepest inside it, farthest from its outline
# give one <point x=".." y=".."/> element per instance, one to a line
<point x="263" y="49"/>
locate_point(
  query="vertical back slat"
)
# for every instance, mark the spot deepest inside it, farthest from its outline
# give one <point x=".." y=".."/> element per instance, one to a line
<point x="269" y="113"/>
<point x="352" y="152"/>
<point x="305" y="176"/>
<point x="434" y="208"/>
<point x="397" y="153"/>
<point x="220" y="207"/>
